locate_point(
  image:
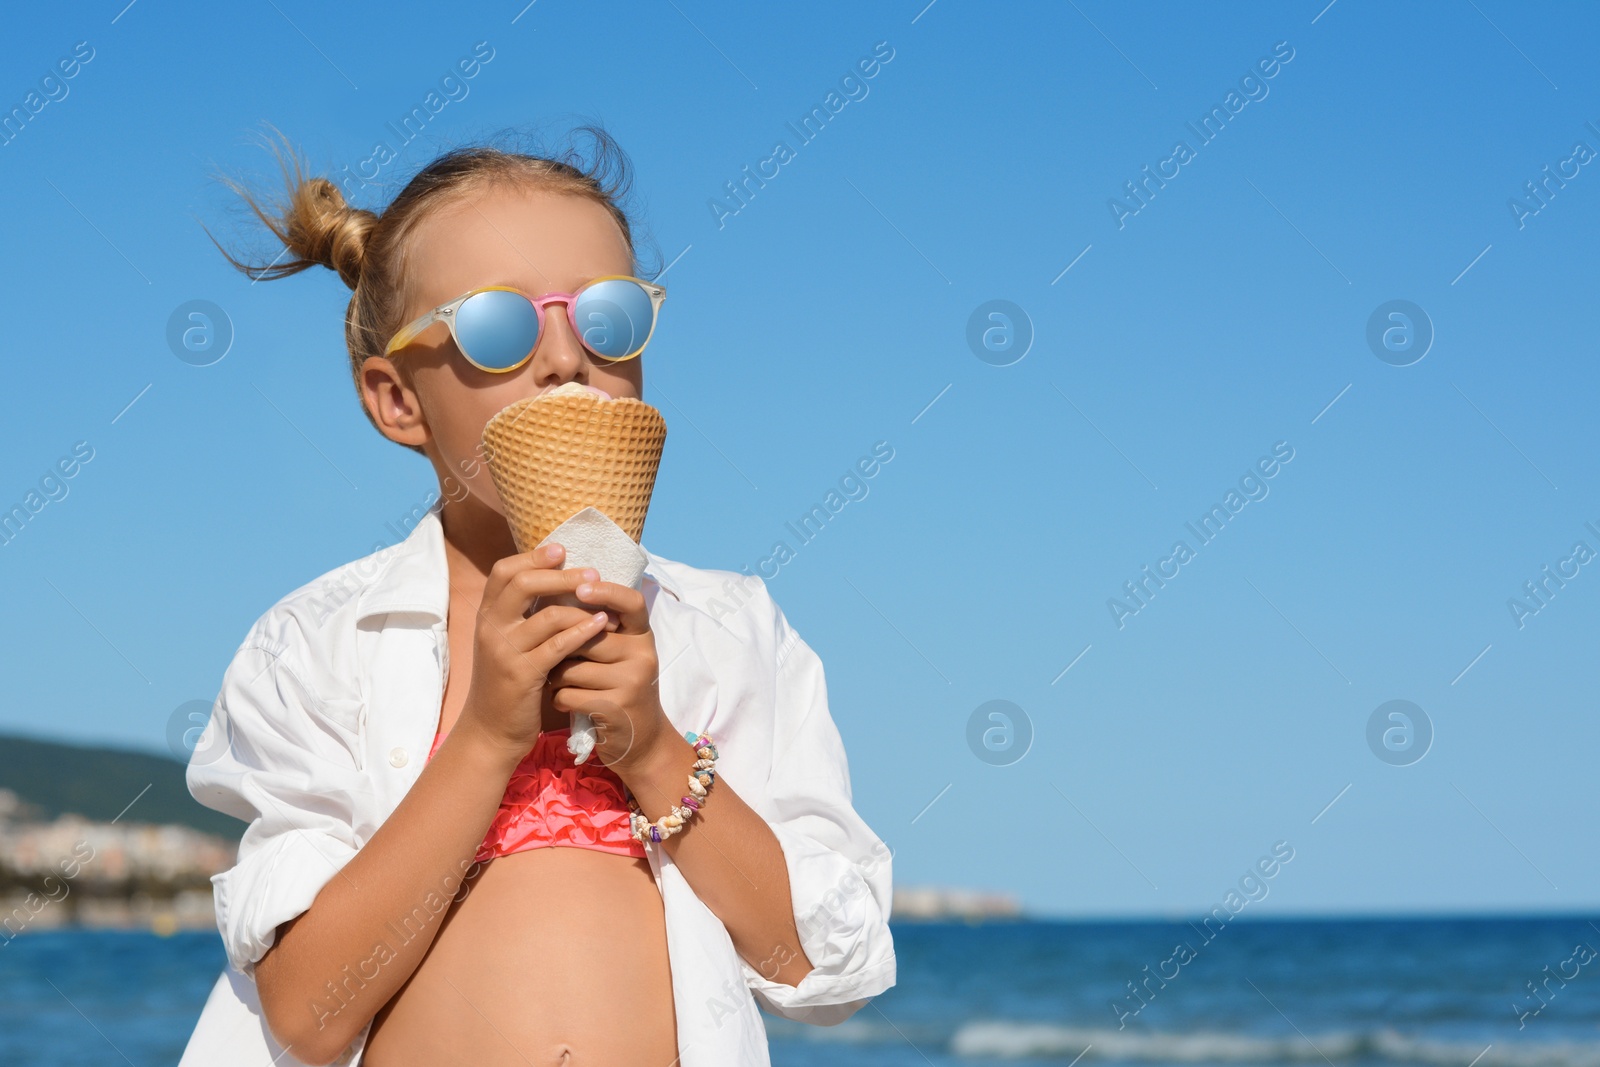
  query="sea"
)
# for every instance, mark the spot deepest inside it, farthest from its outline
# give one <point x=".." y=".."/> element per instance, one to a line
<point x="1487" y="992"/>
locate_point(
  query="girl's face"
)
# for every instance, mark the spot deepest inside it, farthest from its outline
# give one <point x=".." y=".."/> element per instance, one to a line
<point x="535" y="241"/>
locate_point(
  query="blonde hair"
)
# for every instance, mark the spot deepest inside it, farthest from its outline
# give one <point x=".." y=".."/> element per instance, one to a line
<point x="317" y="227"/>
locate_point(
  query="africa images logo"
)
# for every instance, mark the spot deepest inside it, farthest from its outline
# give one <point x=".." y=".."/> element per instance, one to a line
<point x="1253" y="85"/>
<point x="1252" y="486"/>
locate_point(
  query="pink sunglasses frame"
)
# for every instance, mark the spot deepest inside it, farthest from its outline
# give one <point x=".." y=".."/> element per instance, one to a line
<point x="446" y="312"/>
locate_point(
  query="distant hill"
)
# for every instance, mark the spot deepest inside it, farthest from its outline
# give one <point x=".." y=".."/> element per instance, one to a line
<point x="98" y="782"/>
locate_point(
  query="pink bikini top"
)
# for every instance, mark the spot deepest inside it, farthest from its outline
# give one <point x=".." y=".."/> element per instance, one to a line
<point x="551" y="800"/>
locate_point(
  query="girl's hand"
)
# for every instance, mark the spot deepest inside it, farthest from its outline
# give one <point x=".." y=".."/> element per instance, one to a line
<point x="614" y="679"/>
<point x="513" y="652"/>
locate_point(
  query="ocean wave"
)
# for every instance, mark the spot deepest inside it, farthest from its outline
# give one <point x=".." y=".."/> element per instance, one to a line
<point x="1016" y="1040"/>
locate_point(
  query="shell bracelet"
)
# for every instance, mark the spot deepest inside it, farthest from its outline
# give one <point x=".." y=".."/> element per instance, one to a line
<point x="701" y="777"/>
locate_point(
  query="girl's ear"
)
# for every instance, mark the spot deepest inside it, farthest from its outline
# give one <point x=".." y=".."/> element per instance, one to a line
<point x="392" y="403"/>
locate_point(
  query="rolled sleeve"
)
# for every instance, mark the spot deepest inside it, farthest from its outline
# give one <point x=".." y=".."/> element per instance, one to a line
<point x="272" y="757"/>
<point x="839" y="870"/>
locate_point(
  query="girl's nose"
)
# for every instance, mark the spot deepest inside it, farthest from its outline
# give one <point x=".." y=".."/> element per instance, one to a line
<point x="560" y="355"/>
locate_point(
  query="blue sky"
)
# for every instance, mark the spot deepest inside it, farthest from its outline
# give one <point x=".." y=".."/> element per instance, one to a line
<point x="1176" y="341"/>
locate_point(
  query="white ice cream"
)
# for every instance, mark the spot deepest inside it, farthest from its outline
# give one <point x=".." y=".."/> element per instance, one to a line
<point x="576" y="389"/>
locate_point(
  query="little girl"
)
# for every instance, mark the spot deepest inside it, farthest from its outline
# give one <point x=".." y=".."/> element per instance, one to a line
<point x="427" y="876"/>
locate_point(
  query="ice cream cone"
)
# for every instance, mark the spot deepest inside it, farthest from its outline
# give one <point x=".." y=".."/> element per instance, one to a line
<point x="557" y="454"/>
<point x="553" y="455"/>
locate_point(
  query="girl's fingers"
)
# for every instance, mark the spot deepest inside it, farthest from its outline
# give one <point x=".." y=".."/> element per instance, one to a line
<point x="529" y="633"/>
<point x="565" y="642"/>
<point x="579" y="673"/>
<point x="576" y="698"/>
<point x="606" y="648"/>
<point x="609" y="718"/>
<point x="628" y="604"/>
<point x="521" y="587"/>
<point x="509" y="568"/>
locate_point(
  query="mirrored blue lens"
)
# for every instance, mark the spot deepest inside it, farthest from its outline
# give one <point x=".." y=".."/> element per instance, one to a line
<point x="497" y="328"/>
<point x="614" y="318"/>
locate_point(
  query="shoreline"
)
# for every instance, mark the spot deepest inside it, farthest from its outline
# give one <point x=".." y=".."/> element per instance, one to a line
<point x="25" y="913"/>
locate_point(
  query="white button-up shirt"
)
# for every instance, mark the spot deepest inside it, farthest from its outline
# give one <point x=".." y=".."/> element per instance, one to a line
<point x="329" y="708"/>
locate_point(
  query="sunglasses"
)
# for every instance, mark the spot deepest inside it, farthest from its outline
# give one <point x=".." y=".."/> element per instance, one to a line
<point x="497" y="327"/>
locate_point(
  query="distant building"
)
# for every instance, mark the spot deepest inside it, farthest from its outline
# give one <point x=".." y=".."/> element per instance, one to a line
<point x="936" y="902"/>
<point x="73" y="870"/>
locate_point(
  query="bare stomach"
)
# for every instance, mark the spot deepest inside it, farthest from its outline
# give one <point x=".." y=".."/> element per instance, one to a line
<point x="556" y="955"/>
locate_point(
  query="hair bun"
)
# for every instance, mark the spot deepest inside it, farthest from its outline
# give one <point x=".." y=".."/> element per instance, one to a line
<point x="321" y="228"/>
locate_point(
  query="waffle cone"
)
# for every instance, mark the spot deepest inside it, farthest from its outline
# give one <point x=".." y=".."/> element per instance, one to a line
<point x="551" y="457"/>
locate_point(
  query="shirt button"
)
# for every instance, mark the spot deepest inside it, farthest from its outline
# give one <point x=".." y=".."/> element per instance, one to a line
<point x="397" y="757"/>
